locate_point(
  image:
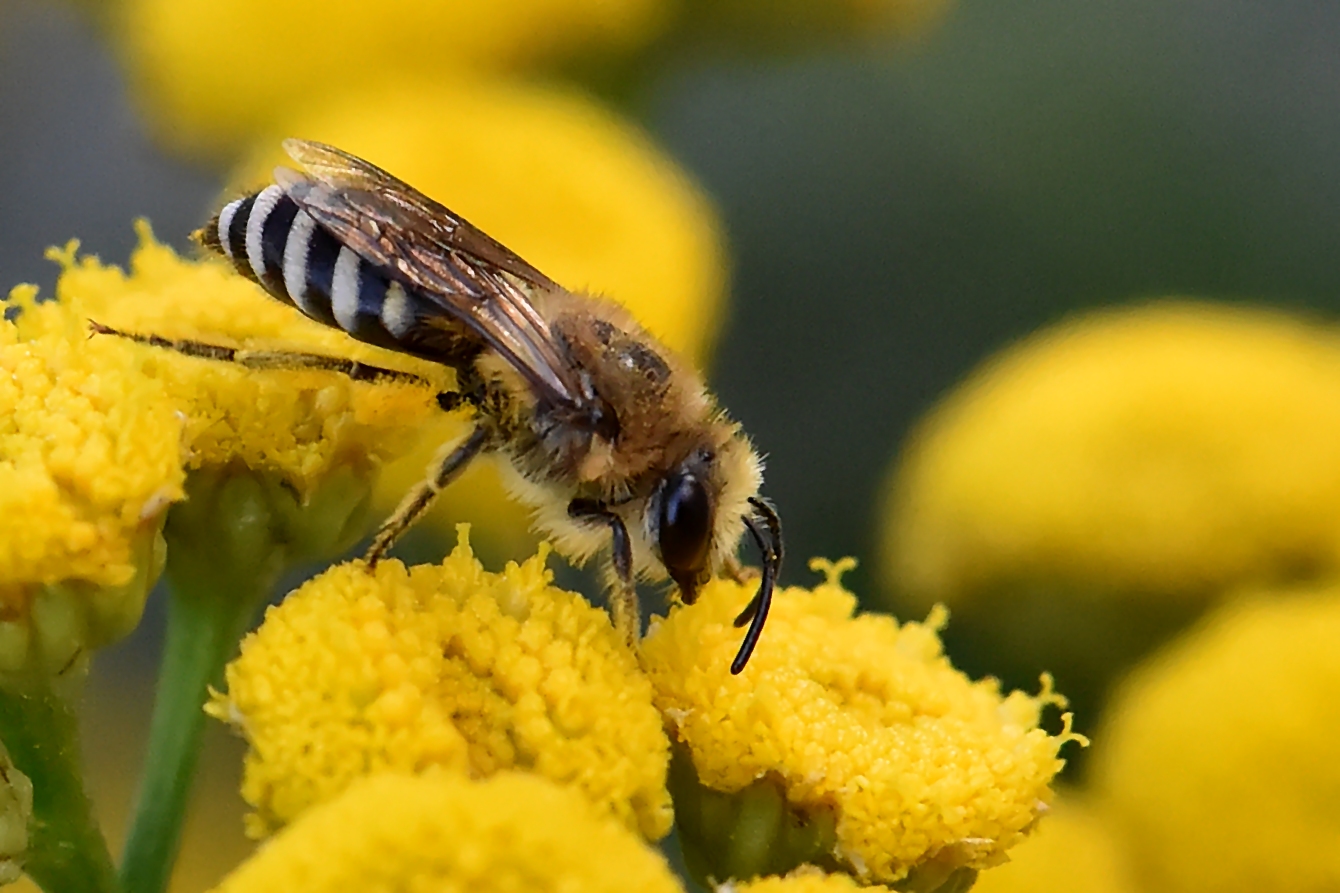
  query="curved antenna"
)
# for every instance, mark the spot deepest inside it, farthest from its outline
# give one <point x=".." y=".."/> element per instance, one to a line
<point x="769" y="540"/>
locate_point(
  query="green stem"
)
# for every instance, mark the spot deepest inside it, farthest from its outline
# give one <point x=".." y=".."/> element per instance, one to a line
<point x="222" y="563"/>
<point x="66" y="851"/>
<point x="201" y="636"/>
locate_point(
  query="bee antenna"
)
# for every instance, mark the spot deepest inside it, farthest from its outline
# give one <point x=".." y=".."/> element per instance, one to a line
<point x="769" y="541"/>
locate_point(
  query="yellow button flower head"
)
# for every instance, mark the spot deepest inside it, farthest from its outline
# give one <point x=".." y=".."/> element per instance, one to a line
<point x="859" y="723"/>
<point x="1074" y="850"/>
<point x="303" y="426"/>
<point x="568" y="186"/>
<point x="443" y="666"/>
<point x="513" y="833"/>
<point x="1219" y="765"/>
<point x="90" y="459"/>
<point x="1170" y="448"/>
<point x="213" y="75"/>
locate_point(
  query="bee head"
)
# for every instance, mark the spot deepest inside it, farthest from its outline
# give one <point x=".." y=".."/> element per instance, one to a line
<point x="684" y="514"/>
<point x="700" y="510"/>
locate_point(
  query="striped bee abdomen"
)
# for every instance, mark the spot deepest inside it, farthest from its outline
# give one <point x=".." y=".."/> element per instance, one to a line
<point x="273" y="242"/>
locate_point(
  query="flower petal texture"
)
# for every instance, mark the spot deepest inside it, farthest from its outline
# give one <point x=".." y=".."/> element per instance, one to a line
<point x="445" y="666"/>
<point x="859" y="716"/>
<point x="1173" y="448"/>
<point x="1218" y="766"/>
<point x="513" y="833"/>
<point x="89" y="449"/>
<point x="303" y="425"/>
<point x="90" y="459"/>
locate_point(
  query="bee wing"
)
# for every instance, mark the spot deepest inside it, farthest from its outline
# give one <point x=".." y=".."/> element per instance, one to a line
<point x="422" y="244"/>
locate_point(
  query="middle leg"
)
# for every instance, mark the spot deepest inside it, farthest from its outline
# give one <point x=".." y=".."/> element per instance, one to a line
<point x="624" y="606"/>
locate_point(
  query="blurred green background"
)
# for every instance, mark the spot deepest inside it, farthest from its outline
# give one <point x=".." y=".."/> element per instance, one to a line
<point x="896" y="211"/>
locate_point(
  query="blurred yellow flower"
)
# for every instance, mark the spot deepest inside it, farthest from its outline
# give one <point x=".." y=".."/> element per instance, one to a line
<point x="1219" y="765"/>
<point x="1073" y="850"/>
<point x="513" y="833"/>
<point x="1169" y="448"/>
<point x="859" y="718"/>
<point x="445" y="666"/>
<point x="568" y="186"/>
<point x="90" y="459"/>
<point x="213" y="74"/>
<point x="302" y="425"/>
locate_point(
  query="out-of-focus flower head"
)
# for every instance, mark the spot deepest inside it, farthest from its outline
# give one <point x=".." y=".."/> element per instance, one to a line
<point x="1088" y="492"/>
<point x="448" y="667"/>
<point x="583" y="196"/>
<point x="513" y="833"/>
<point x="214" y="75"/>
<point x="855" y="722"/>
<point x="1166" y="449"/>
<point x="90" y="460"/>
<point x="1072" y="851"/>
<point x="1219" y="763"/>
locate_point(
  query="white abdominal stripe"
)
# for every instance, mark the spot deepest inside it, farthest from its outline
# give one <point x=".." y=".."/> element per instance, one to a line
<point x="273" y="242"/>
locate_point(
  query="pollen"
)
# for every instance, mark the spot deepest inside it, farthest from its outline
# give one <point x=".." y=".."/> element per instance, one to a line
<point x="513" y="832"/>
<point x="445" y="667"/>
<point x="300" y="424"/>
<point x="859" y="718"/>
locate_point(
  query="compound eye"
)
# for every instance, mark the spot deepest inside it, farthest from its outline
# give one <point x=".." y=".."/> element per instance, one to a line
<point x="685" y="531"/>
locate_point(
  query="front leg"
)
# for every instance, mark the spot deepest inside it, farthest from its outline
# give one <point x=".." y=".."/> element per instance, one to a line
<point x="623" y="591"/>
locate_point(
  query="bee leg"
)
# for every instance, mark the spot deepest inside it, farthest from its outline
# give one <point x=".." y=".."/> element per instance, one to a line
<point x="264" y="359"/>
<point x="623" y="591"/>
<point x="448" y="465"/>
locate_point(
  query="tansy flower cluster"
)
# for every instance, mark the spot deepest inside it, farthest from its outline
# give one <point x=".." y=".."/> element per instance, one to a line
<point x="856" y="721"/>
<point x="90" y="460"/>
<point x="444" y="666"/>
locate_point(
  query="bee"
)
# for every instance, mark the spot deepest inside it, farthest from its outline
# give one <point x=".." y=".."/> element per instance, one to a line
<point x="614" y="443"/>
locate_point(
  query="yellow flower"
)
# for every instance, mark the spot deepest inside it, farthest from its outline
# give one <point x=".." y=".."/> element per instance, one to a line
<point x="303" y="426"/>
<point x="1172" y="448"/>
<point x="1219" y="765"/>
<point x="859" y="720"/>
<point x="90" y="459"/>
<point x="444" y="666"/>
<point x="515" y="833"/>
<point x="1073" y="850"/>
<point x="568" y="186"/>
<point x="213" y="75"/>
